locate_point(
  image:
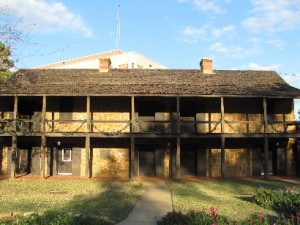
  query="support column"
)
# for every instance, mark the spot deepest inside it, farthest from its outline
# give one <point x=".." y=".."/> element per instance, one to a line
<point x="266" y="141"/>
<point x="43" y="157"/>
<point x="14" y="149"/>
<point x="132" y="157"/>
<point x="223" y="166"/>
<point x="87" y="138"/>
<point x="87" y="156"/>
<point x="132" y="115"/>
<point x="222" y="115"/>
<point x="13" y="157"/>
<point x="132" y="140"/>
<point x="178" y="113"/>
<point x="266" y="158"/>
<point x="222" y="139"/>
<point x="177" y="167"/>
<point x="43" y="162"/>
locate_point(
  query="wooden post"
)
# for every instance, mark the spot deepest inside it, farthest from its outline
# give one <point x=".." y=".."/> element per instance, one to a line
<point x="223" y="157"/>
<point x="43" y="162"/>
<point x="132" y="115"/>
<point x="265" y="115"/>
<point x="178" y="113"/>
<point x="87" y="138"/>
<point x="266" y="158"/>
<point x="43" y="156"/>
<point x="13" y="156"/>
<point x="222" y="115"/>
<point x="177" y="167"/>
<point x="132" y="140"/>
<point x="266" y="141"/>
<point x="132" y="157"/>
<point x="222" y="139"/>
<point x="14" y="140"/>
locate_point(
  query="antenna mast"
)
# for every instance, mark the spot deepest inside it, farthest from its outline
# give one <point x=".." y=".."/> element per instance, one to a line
<point x="118" y="28"/>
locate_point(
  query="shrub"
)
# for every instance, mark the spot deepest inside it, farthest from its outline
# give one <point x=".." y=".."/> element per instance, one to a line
<point x="54" y="218"/>
<point x="195" y="218"/>
<point x="286" y="201"/>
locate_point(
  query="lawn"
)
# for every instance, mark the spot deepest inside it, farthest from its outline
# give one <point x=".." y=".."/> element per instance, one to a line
<point x="228" y="198"/>
<point x="109" y="200"/>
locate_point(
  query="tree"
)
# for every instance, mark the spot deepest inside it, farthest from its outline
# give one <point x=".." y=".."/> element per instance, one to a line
<point x="5" y="63"/>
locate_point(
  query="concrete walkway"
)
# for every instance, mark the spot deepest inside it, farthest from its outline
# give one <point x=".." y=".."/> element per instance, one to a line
<point x="154" y="203"/>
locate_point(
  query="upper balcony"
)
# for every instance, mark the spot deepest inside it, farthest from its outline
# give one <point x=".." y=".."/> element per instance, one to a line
<point x="113" y="116"/>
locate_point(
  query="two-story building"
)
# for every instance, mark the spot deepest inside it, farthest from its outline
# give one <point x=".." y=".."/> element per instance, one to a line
<point x="112" y="122"/>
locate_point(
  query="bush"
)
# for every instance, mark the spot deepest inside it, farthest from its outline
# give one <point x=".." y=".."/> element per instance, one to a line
<point x="195" y="218"/>
<point x="204" y="218"/>
<point x="286" y="201"/>
<point x="54" y="218"/>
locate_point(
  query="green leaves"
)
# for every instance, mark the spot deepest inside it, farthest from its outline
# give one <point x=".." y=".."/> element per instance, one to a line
<point x="5" y="63"/>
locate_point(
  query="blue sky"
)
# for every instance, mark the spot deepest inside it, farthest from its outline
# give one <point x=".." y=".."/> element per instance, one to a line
<point x="236" y="34"/>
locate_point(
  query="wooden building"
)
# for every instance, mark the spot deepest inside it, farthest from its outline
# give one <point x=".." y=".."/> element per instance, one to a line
<point x="155" y="123"/>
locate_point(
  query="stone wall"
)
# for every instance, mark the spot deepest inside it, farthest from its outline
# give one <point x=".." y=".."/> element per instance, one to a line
<point x="238" y="162"/>
<point x="213" y="165"/>
<point x="83" y="162"/>
<point x="110" y="162"/>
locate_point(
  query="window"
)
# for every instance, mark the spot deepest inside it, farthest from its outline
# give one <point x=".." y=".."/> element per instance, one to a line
<point x="66" y="155"/>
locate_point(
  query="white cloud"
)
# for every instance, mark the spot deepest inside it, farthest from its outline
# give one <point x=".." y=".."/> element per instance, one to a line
<point x="208" y="5"/>
<point x="273" y="16"/>
<point x="232" y="51"/>
<point x="254" y="66"/>
<point x="47" y="17"/>
<point x="206" y="32"/>
<point x="293" y="80"/>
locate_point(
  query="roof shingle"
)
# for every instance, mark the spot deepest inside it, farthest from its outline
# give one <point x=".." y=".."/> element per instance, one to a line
<point x="74" y="82"/>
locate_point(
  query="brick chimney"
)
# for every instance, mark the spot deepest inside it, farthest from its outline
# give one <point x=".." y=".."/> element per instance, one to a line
<point x="206" y="66"/>
<point x="104" y="64"/>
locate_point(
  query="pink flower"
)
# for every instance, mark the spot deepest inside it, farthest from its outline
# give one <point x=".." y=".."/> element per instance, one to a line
<point x="260" y="216"/>
<point x="213" y="212"/>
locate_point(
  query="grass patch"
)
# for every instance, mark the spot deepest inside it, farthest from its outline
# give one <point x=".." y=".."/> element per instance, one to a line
<point x="111" y="200"/>
<point x="232" y="199"/>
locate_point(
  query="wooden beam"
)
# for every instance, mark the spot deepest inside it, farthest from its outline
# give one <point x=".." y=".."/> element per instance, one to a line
<point x="13" y="157"/>
<point x="223" y="165"/>
<point x="15" y="115"/>
<point x="14" y="146"/>
<point x="87" y="156"/>
<point x="178" y="113"/>
<point x="88" y="114"/>
<point x="43" y="157"/>
<point x="177" y="159"/>
<point x="132" y="115"/>
<point x="87" y="137"/>
<point x="266" y="158"/>
<point x="132" y="158"/>
<point x="222" y="115"/>
<point x="43" y="162"/>
<point x="265" y="115"/>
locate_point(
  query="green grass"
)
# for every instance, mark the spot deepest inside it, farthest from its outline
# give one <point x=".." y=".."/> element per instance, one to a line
<point x="111" y="200"/>
<point x="229" y="198"/>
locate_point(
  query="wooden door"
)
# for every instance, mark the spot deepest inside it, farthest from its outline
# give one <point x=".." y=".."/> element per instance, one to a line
<point x="65" y="161"/>
<point x="188" y="162"/>
<point x="146" y="163"/>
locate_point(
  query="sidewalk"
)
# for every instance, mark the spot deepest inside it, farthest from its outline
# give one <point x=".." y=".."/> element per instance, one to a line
<point x="155" y="203"/>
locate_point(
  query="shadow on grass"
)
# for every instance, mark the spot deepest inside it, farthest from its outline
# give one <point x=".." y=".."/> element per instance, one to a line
<point x="113" y="203"/>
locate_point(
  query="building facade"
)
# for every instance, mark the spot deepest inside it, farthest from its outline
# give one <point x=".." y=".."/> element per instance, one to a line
<point x="127" y="123"/>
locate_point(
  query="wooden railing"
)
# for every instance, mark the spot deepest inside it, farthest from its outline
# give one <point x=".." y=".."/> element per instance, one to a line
<point x="114" y="127"/>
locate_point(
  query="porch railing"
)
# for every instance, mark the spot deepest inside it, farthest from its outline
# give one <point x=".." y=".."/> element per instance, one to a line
<point x="110" y="128"/>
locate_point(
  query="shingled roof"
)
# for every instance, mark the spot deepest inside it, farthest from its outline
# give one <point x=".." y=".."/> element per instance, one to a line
<point x="81" y="82"/>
